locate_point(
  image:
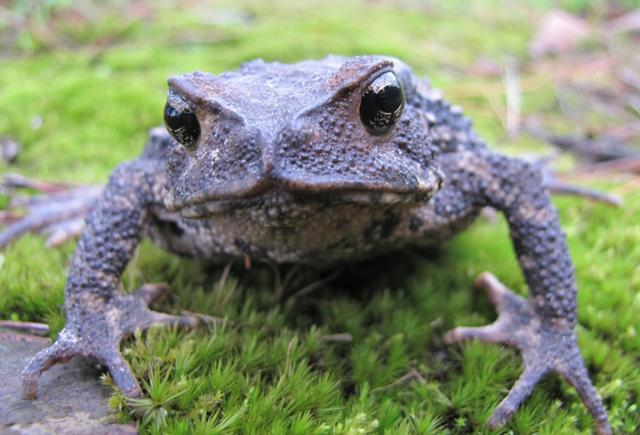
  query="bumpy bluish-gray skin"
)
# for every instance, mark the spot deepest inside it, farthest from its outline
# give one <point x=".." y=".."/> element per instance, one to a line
<point x="284" y="170"/>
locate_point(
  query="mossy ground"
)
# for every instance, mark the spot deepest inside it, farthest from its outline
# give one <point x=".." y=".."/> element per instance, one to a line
<point x="84" y="102"/>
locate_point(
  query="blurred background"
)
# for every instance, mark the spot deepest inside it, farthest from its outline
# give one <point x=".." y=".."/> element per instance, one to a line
<point x="82" y="82"/>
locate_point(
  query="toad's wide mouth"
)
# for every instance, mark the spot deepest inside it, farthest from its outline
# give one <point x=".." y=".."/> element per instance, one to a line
<point x="283" y="206"/>
<point x="278" y="193"/>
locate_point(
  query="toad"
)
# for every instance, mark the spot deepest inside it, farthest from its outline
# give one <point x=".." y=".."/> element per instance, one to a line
<point x="315" y="162"/>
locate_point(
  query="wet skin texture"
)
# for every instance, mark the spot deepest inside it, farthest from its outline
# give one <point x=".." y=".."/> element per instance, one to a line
<point x="275" y="162"/>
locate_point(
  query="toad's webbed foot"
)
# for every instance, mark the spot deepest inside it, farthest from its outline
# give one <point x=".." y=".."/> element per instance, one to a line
<point x="546" y="345"/>
<point x="96" y="328"/>
<point x="58" y="211"/>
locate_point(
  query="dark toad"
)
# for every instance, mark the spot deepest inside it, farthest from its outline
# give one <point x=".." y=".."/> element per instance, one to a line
<point x="319" y="161"/>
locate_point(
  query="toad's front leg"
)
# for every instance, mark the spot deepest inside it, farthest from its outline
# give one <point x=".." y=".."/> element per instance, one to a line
<point x="99" y="314"/>
<point x="542" y="327"/>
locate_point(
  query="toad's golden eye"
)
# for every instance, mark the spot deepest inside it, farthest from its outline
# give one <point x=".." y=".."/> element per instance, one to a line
<point x="182" y="125"/>
<point x="382" y="103"/>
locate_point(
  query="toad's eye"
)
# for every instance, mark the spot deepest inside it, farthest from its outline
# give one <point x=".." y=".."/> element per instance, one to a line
<point x="382" y="103"/>
<point x="182" y="125"/>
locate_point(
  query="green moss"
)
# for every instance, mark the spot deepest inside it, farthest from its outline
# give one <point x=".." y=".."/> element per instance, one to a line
<point x="270" y="367"/>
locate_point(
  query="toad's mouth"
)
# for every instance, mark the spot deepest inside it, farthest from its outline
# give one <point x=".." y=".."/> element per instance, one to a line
<point x="279" y="197"/>
<point x="289" y="208"/>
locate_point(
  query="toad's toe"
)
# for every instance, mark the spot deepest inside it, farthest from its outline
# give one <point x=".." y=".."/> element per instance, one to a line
<point x="546" y="344"/>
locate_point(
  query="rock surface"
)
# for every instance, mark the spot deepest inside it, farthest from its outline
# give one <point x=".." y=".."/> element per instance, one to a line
<point x="71" y="399"/>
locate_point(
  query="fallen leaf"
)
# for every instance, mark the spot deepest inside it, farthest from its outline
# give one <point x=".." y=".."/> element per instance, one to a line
<point x="558" y="33"/>
<point x="626" y="23"/>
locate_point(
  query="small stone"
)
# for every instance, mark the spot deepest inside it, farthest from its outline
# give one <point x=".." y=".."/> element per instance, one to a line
<point x="36" y="122"/>
<point x="9" y="150"/>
